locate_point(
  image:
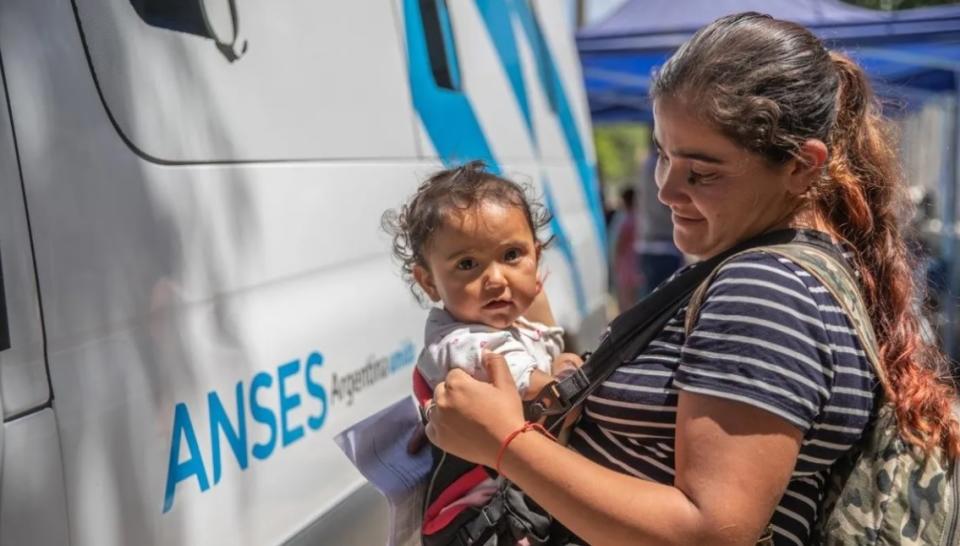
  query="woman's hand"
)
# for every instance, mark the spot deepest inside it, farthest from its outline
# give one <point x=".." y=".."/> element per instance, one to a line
<point x="471" y="418"/>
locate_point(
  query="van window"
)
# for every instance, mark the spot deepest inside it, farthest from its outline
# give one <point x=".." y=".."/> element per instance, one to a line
<point x="440" y="43"/>
<point x="193" y="81"/>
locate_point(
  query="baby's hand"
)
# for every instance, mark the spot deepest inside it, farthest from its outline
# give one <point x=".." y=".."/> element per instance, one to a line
<point x="538" y="380"/>
<point x="561" y="367"/>
<point x="564" y="364"/>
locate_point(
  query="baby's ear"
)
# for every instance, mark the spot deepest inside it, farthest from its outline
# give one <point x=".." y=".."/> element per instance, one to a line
<point x="541" y="276"/>
<point x="425" y="280"/>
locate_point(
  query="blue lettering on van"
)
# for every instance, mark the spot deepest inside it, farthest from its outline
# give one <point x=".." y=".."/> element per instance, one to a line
<point x="316" y="390"/>
<point x="237" y="437"/>
<point x="177" y="471"/>
<point x="262" y="414"/>
<point x="264" y="406"/>
<point x="344" y="387"/>
<point x="287" y="403"/>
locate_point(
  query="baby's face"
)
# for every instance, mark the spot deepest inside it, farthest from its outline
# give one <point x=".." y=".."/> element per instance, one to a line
<point x="483" y="265"/>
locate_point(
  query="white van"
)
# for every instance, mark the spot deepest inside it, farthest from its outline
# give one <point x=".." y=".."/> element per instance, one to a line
<point x="198" y="295"/>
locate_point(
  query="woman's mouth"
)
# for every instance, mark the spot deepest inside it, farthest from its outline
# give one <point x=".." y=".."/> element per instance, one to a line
<point x="684" y="220"/>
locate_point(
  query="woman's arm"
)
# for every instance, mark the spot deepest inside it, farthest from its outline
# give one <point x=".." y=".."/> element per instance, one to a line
<point x="732" y="465"/>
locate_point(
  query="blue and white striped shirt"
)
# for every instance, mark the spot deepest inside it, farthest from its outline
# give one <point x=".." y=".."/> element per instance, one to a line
<point x="768" y="335"/>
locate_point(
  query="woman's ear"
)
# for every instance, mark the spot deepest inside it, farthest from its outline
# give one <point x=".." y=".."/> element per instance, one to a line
<point x="807" y="166"/>
<point x="425" y="280"/>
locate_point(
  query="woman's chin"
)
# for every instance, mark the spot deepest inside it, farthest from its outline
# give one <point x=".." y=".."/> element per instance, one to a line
<point x="692" y="242"/>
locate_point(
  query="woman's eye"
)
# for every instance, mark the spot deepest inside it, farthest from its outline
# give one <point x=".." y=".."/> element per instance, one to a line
<point x="699" y="178"/>
<point x="466" y="264"/>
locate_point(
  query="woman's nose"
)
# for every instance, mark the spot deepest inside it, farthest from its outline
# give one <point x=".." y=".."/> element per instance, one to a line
<point x="672" y="186"/>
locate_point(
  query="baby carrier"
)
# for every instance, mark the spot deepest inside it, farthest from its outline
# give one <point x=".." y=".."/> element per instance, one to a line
<point x="510" y="516"/>
<point x="884" y="491"/>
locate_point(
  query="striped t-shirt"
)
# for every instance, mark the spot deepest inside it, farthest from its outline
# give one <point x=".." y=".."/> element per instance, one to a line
<point x="768" y="335"/>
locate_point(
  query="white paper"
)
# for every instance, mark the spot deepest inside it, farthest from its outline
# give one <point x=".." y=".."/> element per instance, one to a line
<point x="377" y="446"/>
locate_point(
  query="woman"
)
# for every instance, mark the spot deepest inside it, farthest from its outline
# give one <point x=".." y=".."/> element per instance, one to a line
<point x="708" y="438"/>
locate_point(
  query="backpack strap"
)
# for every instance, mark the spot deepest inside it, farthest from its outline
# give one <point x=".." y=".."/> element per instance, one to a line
<point x="823" y="261"/>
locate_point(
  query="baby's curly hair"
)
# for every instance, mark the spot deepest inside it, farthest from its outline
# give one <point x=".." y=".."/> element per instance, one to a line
<point x="459" y="188"/>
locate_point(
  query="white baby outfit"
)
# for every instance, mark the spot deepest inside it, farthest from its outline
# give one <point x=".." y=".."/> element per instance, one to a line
<point x="449" y="343"/>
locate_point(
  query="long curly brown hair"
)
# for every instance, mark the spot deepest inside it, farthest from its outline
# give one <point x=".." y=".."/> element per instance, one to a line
<point x="771" y="85"/>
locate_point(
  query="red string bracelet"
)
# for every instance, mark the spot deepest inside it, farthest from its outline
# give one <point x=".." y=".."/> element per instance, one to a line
<point x="527" y="426"/>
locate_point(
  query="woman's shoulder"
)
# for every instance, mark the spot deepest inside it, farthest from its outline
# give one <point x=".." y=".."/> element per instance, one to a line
<point x="776" y="292"/>
<point x="770" y="332"/>
<point x="759" y="268"/>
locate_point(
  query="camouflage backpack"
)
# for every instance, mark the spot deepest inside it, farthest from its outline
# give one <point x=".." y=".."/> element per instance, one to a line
<point x="883" y="492"/>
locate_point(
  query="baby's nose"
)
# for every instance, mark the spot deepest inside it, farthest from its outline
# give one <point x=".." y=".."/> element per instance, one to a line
<point x="495" y="277"/>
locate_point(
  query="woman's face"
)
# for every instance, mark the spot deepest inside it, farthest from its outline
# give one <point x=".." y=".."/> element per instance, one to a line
<point x="719" y="193"/>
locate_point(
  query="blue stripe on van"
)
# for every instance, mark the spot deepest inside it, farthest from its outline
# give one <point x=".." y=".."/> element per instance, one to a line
<point x="499" y="23"/>
<point x="447" y="115"/>
<point x="565" y="248"/>
<point x="452" y="124"/>
<point x="553" y="87"/>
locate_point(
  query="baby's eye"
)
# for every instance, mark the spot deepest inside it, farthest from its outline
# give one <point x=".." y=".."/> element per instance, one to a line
<point x="512" y="255"/>
<point x="466" y="264"/>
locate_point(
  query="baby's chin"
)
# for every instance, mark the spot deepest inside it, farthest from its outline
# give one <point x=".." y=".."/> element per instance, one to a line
<point x="500" y="322"/>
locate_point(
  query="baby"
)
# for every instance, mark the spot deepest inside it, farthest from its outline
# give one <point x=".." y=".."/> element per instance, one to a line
<point x="468" y="238"/>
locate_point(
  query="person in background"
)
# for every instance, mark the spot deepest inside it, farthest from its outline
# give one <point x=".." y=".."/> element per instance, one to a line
<point x="625" y="276"/>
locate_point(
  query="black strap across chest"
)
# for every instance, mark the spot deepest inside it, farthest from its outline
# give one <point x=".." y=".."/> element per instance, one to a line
<point x="630" y="333"/>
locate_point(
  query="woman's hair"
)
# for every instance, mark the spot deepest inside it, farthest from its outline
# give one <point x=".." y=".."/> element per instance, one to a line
<point x="451" y="191"/>
<point x="769" y="86"/>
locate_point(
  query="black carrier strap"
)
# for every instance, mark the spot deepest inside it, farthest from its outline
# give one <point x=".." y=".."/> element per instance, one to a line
<point x="634" y="329"/>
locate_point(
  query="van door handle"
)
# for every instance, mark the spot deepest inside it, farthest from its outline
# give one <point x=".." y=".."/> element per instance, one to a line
<point x="4" y="324"/>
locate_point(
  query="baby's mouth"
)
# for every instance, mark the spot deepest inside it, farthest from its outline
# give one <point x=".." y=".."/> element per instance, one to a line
<point x="498" y="304"/>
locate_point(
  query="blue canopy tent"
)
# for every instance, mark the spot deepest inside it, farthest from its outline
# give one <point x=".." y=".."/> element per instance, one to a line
<point x="907" y="53"/>
<point x="910" y="55"/>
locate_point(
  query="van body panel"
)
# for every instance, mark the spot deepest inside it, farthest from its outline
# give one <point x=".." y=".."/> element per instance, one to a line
<point x="23" y="376"/>
<point x="177" y="98"/>
<point x="212" y="322"/>
<point x="32" y="509"/>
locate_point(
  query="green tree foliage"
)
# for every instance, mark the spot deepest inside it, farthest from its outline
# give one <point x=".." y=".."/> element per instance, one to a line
<point x="620" y="147"/>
